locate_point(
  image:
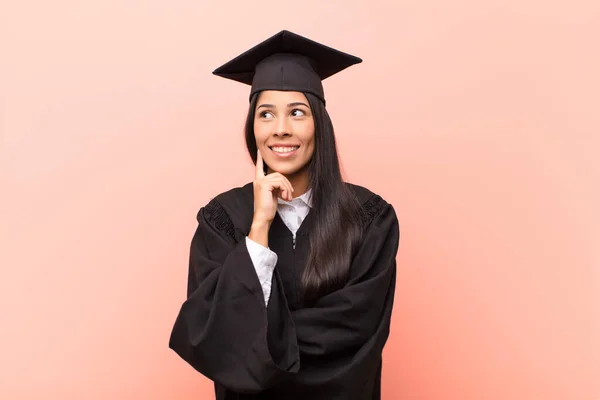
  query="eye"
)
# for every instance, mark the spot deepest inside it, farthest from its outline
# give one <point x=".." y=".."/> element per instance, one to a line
<point x="266" y="115"/>
<point x="298" y="112"/>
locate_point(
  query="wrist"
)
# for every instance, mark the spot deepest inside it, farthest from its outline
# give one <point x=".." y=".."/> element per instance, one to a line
<point x="259" y="232"/>
<point x="260" y="222"/>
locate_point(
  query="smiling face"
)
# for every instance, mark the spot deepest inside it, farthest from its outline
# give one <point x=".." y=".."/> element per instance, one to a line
<point x="284" y="130"/>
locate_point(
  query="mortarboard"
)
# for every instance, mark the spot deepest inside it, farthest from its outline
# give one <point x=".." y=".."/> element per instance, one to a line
<point x="287" y="61"/>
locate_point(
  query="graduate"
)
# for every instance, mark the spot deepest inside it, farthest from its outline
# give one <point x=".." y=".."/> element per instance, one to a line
<point x="291" y="276"/>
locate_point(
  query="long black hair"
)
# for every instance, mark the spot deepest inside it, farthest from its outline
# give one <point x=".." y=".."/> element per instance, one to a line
<point x="336" y="232"/>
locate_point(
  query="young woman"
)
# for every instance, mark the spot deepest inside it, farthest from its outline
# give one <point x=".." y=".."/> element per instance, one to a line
<point x="292" y="276"/>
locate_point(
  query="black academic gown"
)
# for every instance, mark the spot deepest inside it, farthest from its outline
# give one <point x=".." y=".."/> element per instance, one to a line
<point x="329" y="351"/>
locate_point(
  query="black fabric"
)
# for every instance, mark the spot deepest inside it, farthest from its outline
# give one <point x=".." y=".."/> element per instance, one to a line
<point x="287" y="61"/>
<point x="329" y="351"/>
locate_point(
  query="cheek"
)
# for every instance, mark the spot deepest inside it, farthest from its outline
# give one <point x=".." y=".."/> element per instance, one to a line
<point x="260" y="134"/>
<point x="310" y="139"/>
<point x="311" y="148"/>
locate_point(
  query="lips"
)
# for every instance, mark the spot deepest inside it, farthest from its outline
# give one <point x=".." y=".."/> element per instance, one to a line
<point x="284" y="150"/>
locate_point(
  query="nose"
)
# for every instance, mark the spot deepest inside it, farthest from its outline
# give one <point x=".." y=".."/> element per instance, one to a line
<point x="283" y="127"/>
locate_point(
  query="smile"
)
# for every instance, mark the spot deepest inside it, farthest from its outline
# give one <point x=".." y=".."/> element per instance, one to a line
<point x="284" y="151"/>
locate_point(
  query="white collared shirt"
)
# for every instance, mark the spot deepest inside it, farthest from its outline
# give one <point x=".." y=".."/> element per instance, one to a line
<point x="292" y="214"/>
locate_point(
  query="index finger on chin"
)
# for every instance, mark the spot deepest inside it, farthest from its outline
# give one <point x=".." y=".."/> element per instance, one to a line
<point x="260" y="172"/>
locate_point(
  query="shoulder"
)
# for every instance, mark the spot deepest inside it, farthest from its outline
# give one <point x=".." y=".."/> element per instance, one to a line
<point x="231" y="210"/>
<point x="235" y="198"/>
<point x="363" y="194"/>
<point x="372" y="204"/>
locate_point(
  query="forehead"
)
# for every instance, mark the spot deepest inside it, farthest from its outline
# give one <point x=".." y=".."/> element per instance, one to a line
<point x="280" y="97"/>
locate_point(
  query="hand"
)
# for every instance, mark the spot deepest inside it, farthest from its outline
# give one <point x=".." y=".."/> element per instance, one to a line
<point x="266" y="190"/>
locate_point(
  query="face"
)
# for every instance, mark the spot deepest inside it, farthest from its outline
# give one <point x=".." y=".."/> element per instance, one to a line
<point x="284" y="129"/>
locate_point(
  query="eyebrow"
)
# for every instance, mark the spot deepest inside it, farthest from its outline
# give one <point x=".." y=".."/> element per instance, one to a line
<point x="298" y="103"/>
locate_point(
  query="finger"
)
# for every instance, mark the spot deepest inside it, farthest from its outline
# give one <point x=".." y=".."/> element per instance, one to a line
<point x="260" y="171"/>
<point x="278" y="180"/>
<point x="278" y="186"/>
<point x="288" y="188"/>
<point x="279" y="189"/>
<point x="285" y="181"/>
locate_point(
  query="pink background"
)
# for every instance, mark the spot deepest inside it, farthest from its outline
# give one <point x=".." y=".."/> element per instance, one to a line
<point x="478" y="120"/>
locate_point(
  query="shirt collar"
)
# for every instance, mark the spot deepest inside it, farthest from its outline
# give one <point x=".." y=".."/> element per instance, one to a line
<point x="306" y="198"/>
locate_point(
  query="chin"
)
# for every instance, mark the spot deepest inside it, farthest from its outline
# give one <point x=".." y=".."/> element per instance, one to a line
<point x="286" y="170"/>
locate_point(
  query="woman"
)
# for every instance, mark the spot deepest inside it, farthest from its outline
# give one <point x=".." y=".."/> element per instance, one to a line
<point x="291" y="277"/>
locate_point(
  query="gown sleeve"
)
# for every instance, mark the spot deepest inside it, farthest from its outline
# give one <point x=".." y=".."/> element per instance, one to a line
<point x="221" y="328"/>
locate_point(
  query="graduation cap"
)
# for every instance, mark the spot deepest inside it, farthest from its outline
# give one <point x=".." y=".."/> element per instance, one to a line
<point x="287" y="61"/>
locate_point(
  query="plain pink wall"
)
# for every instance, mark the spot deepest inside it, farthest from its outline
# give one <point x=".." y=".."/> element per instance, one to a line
<point x="478" y="120"/>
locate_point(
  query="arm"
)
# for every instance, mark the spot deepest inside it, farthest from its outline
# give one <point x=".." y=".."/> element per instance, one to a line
<point x="221" y="329"/>
<point x="341" y="337"/>
<point x="264" y="261"/>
